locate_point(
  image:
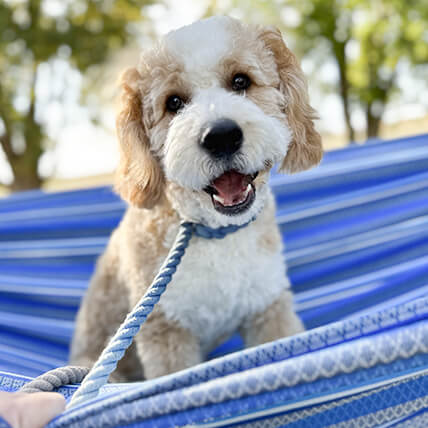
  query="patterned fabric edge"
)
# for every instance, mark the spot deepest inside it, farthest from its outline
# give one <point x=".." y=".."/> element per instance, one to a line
<point x="384" y="348"/>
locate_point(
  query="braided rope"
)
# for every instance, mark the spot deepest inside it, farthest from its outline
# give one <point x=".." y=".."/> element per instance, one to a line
<point x="55" y="378"/>
<point x="122" y="339"/>
<point x="97" y="377"/>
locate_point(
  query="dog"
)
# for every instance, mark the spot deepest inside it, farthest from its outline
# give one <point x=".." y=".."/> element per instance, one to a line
<point x="205" y="115"/>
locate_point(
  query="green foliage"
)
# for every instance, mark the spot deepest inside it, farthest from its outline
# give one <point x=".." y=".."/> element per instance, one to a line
<point x="35" y="32"/>
<point x="381" y="33"/>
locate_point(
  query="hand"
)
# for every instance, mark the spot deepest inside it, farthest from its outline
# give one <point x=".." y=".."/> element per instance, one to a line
<point x="22" y="410"/>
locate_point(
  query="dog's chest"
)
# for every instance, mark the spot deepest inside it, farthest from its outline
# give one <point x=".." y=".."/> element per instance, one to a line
<point x="221" y="282"/>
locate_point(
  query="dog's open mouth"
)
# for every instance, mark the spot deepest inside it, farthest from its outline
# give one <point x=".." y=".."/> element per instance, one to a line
<point x="232" y="193"/>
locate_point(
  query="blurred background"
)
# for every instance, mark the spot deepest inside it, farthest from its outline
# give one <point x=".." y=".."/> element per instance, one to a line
<point x="366" y="63"/>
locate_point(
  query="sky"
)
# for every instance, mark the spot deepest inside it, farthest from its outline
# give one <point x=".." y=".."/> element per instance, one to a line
<point x="83" y="149"/>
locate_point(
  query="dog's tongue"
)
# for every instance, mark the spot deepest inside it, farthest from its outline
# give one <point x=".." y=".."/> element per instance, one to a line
<point x="230" y="186"/>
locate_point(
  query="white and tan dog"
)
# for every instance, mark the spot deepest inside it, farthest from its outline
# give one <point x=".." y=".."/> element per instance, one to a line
<point x="205" y="115"/>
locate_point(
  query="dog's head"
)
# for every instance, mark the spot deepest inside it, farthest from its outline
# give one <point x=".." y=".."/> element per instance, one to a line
<point x="206" y="114"/>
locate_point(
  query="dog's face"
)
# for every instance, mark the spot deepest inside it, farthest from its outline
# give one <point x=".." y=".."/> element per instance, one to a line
<point x="206" y="115"/>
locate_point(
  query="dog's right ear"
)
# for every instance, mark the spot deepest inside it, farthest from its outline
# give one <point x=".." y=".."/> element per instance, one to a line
<point x="305" y="149"/>
<point x="139" y="178"/>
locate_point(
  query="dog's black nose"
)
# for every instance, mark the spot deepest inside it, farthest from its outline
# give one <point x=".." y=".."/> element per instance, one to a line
<point x="222" y="138"/>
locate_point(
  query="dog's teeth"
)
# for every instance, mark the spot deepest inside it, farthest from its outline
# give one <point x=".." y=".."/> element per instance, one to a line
<point x="218" y="199"/>
<point x="242" y="199"/>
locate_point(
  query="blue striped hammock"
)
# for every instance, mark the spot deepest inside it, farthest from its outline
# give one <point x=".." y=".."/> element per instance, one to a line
<point x="356" y="234"/>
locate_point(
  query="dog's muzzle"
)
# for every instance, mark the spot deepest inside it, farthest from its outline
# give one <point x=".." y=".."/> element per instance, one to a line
<point x="222" y="139"/>
<point x="233" y="192"/>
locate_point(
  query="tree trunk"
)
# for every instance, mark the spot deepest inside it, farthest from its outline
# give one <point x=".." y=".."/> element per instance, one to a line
<point x="29" y="180"/>
<point x="340" y="55"/>
<point x="344" y="93"/>
<point x="25" y="165"/>
<point x="373" y="123"/>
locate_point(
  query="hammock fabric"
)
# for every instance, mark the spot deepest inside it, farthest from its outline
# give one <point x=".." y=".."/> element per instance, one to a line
<point x="356" y="235"/>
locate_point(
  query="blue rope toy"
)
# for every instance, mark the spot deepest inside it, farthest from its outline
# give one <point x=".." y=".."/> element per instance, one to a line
<point x="120" y="342"/>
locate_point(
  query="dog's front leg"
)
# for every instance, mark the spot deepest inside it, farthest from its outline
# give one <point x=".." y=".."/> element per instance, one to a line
<point x="165" y="347"/>
<point x="278" y="320"/>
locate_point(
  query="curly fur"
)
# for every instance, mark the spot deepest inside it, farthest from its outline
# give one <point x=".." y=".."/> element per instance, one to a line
<point x="238" y="283"/>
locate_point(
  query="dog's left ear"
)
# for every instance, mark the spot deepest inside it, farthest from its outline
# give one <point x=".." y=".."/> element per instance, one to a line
<point x="305" y="149"/>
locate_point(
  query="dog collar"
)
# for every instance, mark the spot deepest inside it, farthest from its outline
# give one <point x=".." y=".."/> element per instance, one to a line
<point x="215" y="233"/>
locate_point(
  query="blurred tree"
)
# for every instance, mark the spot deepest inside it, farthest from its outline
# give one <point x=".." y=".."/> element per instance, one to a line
<point x="33" y="33"/>
<point x="367" y="39"/>
<point x="389" y="31"/>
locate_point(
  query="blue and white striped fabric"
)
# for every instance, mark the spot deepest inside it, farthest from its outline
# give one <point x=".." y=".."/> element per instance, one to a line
<point x="356" y="235"/>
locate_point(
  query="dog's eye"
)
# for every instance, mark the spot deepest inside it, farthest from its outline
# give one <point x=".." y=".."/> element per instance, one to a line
<point x="240" y="82"/>
<point x="174" y="103"/>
